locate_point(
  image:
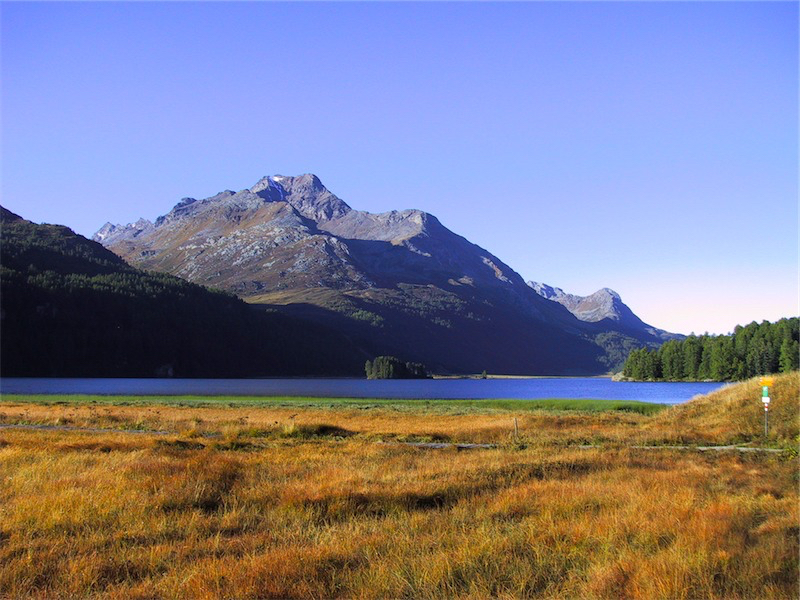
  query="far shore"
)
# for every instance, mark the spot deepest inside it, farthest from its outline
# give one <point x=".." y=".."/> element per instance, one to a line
<point x="491" y="376"/>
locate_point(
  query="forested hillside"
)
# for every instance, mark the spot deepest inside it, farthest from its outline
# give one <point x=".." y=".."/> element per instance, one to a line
<point x="755" y="349"/>
<point x="72" y="308"/>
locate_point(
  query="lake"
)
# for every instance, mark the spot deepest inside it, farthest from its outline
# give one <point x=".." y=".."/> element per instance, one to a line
<point x="601" y="388"/>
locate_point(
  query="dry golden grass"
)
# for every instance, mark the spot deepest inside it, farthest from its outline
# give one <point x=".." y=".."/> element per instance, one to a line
<point x="311" y="507"/>
<point x="373" y="424"/>
<point x="734" y="414"/>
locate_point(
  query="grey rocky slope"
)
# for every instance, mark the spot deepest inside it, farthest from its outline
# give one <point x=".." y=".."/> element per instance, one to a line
<point x="604" y="304"/>
<point x="400" y="280"/>
<point x="291" y="232"/>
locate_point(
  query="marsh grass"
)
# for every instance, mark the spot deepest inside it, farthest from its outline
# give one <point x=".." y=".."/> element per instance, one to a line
<point x="303" y="504"/>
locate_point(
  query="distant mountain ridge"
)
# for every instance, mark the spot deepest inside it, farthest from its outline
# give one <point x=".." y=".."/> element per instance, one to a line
<point x="603" y="304"/>
<point x="294" y="225"/>
<point x="399" y="279"/>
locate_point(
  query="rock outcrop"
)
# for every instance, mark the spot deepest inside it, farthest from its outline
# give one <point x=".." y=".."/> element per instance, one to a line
<point x="604" y="304"/>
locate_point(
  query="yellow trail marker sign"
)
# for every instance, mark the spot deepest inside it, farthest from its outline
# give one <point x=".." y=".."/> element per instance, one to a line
<point x="766" y="383"/>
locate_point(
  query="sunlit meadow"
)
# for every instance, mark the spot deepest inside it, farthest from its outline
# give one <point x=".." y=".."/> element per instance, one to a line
<point x="287" y="502"/>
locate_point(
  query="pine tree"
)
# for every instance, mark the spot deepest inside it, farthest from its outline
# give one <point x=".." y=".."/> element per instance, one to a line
<point x="671" y="360"/>
<point x="722" y="359"/>
<point x="692" y="355"/>
<point x="789" y="355"/>
<point x="704" y="370"/>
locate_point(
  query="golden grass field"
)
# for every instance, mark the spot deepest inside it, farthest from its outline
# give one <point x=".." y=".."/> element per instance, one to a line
<point x="253" y="502"/>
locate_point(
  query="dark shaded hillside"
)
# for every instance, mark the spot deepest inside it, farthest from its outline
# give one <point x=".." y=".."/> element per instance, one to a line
<point x="69" y="307"/>
<point x="444" y="332"/>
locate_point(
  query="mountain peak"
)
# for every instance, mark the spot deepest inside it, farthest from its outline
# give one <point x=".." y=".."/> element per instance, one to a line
<point x="131" y="230"/>
<point x="310" y="180"/>
<point x="605" y="303"/>
<point x="608" y="292"/>
<point x="269" y="188"/>
<point x="307" y="181"/>
<point x="305" y="193"/>
<point x="546" y="291"/>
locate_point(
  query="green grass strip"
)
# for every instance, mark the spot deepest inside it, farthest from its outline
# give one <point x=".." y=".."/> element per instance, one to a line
<point x="406" y="405"/>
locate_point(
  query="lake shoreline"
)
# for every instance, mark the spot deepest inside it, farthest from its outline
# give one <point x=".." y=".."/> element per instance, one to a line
<point x="412" y="389"/>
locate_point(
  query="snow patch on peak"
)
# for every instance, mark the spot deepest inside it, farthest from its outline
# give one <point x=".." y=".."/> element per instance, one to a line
<point x="269" y="188"/>
<point x="273" y="183"/>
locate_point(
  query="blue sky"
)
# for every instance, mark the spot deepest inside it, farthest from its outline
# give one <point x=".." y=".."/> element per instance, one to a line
<point x="647" y="147"/>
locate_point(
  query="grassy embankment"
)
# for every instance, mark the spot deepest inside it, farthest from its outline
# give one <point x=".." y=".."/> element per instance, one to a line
<point x="298" y="501"/>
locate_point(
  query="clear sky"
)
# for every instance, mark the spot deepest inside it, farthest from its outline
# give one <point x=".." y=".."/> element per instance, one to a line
<point x="647" y="147"/>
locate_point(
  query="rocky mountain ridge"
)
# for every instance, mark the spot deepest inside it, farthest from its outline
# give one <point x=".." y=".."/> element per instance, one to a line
<point x="603" y="304"/>
<point x="426" y="293"/>
<point x="303" y="230"/>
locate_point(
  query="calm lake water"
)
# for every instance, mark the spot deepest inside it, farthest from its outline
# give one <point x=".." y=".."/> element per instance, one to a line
<point x="595" y="388"/>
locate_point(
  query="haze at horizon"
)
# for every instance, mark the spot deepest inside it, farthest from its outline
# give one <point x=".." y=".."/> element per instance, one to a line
<point x="650" y="148"/>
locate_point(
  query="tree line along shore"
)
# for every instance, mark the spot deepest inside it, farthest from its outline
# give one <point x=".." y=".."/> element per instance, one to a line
<point x="755" y="349"/>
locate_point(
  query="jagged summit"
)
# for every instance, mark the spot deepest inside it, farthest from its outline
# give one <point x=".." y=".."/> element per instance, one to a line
<point x="547" y="291"/>
<point x="110" y="230"/>
<point x="290" y="231"/>
<point x="603" y="304"/>
<point x="305" y="193"/>
<point x="609" y="292"/>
